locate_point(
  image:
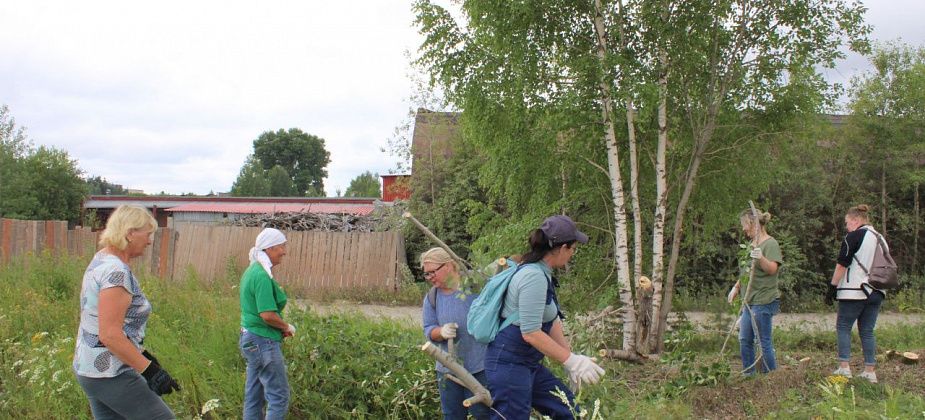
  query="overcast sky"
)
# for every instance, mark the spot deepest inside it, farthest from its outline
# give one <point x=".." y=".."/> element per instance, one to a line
<point x="169" y="96"/>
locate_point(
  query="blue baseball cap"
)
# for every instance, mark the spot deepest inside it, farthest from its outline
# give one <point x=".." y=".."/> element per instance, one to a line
<point x="560" y="229"/>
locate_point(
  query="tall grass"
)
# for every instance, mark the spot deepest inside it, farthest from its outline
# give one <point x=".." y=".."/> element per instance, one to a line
<point x="339" y="366"/>
<point x="349" y="366"/>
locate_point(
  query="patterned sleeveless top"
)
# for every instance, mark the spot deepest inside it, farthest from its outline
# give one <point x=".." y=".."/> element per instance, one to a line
<point x="91" y="358"/>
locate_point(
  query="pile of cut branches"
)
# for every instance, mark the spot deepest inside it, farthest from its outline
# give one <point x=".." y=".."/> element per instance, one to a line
<point x="309" y="221"/>
<point x="383" y="218"/>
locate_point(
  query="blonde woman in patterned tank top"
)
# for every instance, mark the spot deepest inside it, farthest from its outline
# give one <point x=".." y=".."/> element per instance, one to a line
<point x="120" y="378"/>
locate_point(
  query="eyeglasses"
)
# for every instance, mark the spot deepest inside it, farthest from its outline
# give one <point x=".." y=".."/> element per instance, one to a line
<point x="431" y="273"/>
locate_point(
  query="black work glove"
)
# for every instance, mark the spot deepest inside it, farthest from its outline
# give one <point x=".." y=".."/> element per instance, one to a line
<point x="830" y="295"/>
<point x="159" y="380"/>
<point x="150" y="357"/>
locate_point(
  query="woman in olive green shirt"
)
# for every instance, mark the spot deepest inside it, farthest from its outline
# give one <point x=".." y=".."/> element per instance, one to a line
<point x="763" y="300"/>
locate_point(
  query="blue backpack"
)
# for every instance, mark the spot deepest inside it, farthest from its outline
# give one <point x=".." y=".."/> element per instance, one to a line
<point x="484" y="319"/>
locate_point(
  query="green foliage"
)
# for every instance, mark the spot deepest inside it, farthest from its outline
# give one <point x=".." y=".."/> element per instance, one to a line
<point x="302" y="155"/>
<point x="910" y="298"/>
<point x="364" y="185"/>
<point x="280" y="182"/>
<point x="682" y="358"/>
<point x="100" y="186"/>
<point x="36" y="183"/>
<point x="349" y="366"/>
<point x="528" y="75"/>
<point x="887" y="134"/>
<point x="252" y="181"/>
<point x="341" y="365"/>
<point x="843" y="398"/>
<point x="55" y="184"/>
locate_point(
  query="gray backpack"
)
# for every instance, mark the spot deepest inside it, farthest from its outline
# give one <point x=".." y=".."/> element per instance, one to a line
<point x="882" y="273"/>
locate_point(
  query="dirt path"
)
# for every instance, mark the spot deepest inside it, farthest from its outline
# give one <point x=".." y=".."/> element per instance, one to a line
<point x="705" y="320"/>
<point x="806" y="321"/>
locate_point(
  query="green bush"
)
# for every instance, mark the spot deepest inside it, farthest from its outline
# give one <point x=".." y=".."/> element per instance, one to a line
<point x="339" y="366"/>
<point x="349" y="366"/>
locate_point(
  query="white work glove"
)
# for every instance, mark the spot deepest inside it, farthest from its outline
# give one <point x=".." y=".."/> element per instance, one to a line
<point x="572" y="384"/>
<point x="582" y="369"/>
<point x="448" y="330"/>
<point x="756" y="253"/>
<point x="289" y="331"/>
<point x="732" y="293"/>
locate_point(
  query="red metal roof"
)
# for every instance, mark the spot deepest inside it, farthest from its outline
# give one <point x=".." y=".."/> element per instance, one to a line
<point x="337" y="208"/>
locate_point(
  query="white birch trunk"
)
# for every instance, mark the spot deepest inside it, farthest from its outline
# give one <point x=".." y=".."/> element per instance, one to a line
<point x="661" y="199"/>
<point x="616" y="186"/>
<point x="644" y="314"/>
<point x="634" y="189"/>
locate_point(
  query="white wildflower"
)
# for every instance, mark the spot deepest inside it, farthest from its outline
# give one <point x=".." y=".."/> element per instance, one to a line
<point x="210" y="405"/>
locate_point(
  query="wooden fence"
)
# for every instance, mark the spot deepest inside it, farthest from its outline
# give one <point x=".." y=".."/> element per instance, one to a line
<point x="23" y="237"/>
<point x="315" y="262"/>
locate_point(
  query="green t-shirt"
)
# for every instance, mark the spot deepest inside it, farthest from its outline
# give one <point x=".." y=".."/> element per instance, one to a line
<point x="764" y="286"/>
<point x="260" y="293"/>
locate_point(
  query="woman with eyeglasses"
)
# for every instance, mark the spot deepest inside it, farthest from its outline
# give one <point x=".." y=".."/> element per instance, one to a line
<point x="445" y="309"/>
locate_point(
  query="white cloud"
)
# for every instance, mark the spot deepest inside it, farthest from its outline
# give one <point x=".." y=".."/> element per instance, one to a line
<point x="169" y="95"/>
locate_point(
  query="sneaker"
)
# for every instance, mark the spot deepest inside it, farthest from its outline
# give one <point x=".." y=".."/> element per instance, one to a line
<point x="870" y="376"/>
<point x="846" y="372"/>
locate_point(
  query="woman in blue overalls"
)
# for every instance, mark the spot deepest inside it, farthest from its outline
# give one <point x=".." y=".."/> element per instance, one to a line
<point x="513" y="362"/>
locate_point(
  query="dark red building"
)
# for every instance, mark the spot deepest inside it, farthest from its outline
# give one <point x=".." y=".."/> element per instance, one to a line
<point x="396" y="187"/>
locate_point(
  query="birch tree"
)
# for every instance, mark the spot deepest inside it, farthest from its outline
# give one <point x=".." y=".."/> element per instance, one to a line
<point x="531" y="70"/>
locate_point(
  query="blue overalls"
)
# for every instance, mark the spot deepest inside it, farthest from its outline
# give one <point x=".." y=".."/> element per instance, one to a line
<point x="517" y="378"/>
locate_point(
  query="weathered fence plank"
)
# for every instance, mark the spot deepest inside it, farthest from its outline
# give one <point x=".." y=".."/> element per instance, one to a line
<point x="315" y="262"/>
<point x="24" y="237"/>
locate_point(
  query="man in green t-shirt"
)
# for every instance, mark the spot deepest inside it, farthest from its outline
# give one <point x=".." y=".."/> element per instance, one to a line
<point x="263" y="328"/>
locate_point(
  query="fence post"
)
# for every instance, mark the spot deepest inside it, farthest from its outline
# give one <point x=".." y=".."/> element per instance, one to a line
<point x="162" y="255"/>
<point x="6" y="231"/>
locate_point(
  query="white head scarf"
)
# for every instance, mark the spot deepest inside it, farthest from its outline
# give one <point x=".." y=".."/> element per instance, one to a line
<point x="269" y="237"/>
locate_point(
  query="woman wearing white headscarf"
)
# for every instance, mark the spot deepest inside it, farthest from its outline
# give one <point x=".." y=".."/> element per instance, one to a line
<point x="263" y="329"/>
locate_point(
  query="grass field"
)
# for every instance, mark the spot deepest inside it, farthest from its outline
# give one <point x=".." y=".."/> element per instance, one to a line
<point x="351" y="366"/>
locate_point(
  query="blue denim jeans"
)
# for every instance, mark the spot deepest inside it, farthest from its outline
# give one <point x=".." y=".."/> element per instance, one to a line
<point x="864" y="312"/>
<point x="453" y="394"/>
<point x="266" y="383"/>
<point x="763" y="315"/>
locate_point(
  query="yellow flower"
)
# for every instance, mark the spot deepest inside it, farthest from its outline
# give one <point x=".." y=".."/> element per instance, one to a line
<point x="38" y="337"/>
<point x="837" y="380"/>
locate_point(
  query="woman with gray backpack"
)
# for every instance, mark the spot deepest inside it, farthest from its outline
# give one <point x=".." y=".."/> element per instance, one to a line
<point x="864" y="269"/>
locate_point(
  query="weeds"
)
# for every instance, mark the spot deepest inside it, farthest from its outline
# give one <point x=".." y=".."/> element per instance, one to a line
<point x="680" y="356"/>
<point x="349" y="366"/>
